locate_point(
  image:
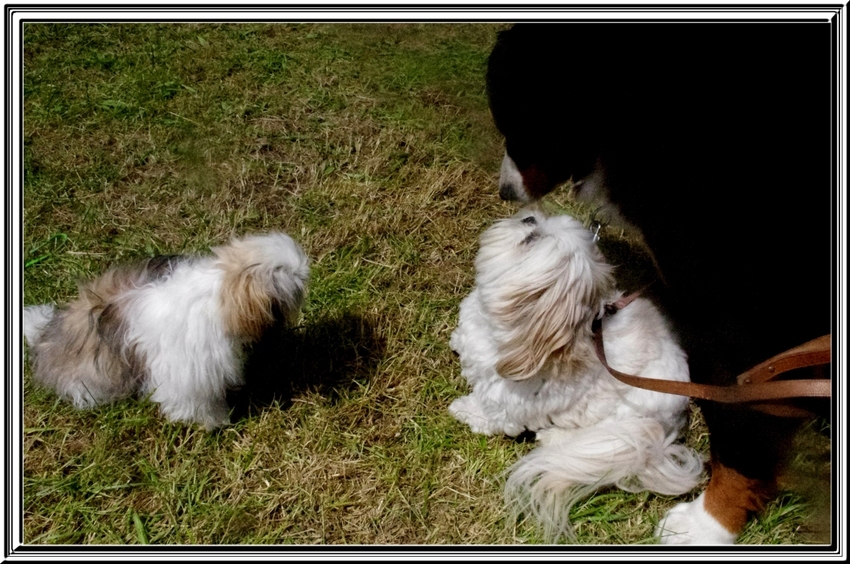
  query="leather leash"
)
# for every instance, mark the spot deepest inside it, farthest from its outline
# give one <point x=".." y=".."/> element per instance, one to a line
<point x="754" y="386"/>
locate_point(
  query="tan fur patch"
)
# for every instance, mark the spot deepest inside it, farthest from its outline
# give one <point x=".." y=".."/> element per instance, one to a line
<point x="731" y="497"/>
<point x="549" y="321"/>
<point x="246" y="303"/>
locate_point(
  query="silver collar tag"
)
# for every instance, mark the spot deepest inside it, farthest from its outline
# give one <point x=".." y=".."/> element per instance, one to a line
<point x="595" y="226"/>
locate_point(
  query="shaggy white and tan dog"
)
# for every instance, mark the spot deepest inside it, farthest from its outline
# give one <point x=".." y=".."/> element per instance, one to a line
<point x="172" y="328"/>
<point x="525" y="344"/>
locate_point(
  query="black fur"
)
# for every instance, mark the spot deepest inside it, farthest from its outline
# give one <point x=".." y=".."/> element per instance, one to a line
<point x="717" y="141"/>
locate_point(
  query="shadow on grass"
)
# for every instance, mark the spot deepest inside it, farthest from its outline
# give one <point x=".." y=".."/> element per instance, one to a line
<point x="326" y="356"/>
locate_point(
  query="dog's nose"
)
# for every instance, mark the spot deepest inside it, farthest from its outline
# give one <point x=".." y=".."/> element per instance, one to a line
<point x="507" y="192"/>
<point x="530" y="220"/>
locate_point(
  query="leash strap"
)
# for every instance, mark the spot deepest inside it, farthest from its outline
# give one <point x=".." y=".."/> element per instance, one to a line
<point x="754" y="385"/>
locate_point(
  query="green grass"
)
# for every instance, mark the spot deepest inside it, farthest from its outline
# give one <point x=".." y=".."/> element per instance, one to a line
<point x="373" y="146"/>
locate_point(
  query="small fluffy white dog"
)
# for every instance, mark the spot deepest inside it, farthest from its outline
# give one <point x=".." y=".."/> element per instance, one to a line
<point x="526" y="348"/>
<point x="172" y="328"/>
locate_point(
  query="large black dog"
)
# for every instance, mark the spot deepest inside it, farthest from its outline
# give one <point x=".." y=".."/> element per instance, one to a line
<point x="717" y="142"/>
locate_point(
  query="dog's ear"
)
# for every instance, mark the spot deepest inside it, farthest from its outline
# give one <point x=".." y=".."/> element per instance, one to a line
<point x="546" y="318"/>
<point x="264" y="277"/>
<point x="246" y="303"/>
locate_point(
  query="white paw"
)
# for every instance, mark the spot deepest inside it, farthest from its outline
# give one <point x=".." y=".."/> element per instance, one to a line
<point x="454" y="342"/>
<point x="552" y="436"/>
<point x="467" y="410"/>
<point x="690" y="523"/>
<point x="211" y="415"/>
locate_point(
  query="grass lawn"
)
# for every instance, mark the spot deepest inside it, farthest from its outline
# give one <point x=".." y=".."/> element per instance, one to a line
<point x="372" y="145"/>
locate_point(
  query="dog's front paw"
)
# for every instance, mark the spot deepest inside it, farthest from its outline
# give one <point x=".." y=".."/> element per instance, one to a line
<point x="690" y="523"/>
<point x="454" y="341"/>
<point x="210" y="414"/>
<point x="467" y="410"/>
<point x="552" y="436"/>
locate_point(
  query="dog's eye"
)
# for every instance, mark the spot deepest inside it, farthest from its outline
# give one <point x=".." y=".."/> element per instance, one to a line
<point x="530" y="220"/>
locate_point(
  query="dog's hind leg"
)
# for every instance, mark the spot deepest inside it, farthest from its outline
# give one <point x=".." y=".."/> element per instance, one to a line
<point x="748" y="451"/>
<point x="719" y="514"/>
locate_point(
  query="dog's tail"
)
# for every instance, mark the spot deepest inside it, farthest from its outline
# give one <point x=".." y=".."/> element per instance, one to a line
<point x="36" y="319"/>
<point x="570" y="464"/>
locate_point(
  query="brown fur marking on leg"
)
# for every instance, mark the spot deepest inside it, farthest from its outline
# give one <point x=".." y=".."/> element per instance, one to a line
<point x="731" y="497"/>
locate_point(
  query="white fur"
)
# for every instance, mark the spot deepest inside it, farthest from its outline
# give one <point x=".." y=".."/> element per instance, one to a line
<point x="690" y="523"/>
<point x="510" y="180"/>
<point x="188" y="380"/>
<point x="36" y="319"/>
<point x="592" y="430"/>
<point x="173" y="333"/>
